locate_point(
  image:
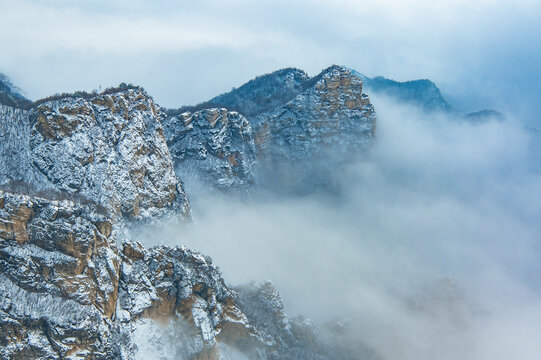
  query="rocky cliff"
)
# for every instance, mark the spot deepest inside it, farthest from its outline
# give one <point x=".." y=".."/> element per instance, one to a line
<point x="69" y="291"/>
<point x="59" y="273"/>
<point x="109" y="148"/>
<point x="212" y="148"/>
<point x="304" y="141"/>
<point x="303" y="128"/>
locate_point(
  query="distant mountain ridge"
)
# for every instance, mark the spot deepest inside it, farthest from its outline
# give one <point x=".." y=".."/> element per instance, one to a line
<point x="267" y="91"/>
<point x="422" y="93"/>
<point x="11" y="95"/>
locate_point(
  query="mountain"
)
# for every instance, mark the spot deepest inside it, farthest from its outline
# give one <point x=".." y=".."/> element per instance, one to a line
<point x="212" y="148"/>
<point x="422" y="93"/>
<point x="302" y="142"/>
<point x="79" y="173"/>
<point x="11" y="95"/>
<point x="302" y="130"/>
<point x="108" y="148"/>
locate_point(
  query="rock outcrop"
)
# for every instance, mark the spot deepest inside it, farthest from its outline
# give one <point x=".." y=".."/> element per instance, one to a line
<point x="286" y="338"/>
<point x="303" y="142"/>
<point x="212" y="148"/>
<point x="68" y="291"/>
<point x="59" y="272"/>
<point x="108" y="147"/>
<point x="303" y="128"/>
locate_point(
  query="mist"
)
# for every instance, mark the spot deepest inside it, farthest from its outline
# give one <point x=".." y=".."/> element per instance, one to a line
<point x="429" y="246"/>
<point x="429" y="250"/>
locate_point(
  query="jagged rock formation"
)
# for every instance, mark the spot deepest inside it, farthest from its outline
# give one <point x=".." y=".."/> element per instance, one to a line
<point x="182" y="290"/>
<point x="303" y="128"/>
<point x="212" y="148"/>
<point x="107" y="147"/>
<point x="67" y="291"/>
<point x="59" y="273"/>
<point x="286" y="338"/>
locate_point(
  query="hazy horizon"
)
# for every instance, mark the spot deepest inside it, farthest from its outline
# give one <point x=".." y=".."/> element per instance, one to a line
<point x="481" y="55"/>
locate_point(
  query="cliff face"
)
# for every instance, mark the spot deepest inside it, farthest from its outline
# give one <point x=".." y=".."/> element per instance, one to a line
<point x="303" y="141"/>
<point x="212" y="148"/>
<point x="173" y="302"/>
<point x="109" y="148"/>
<point x="68" y="291"/>
<point x="15" y="154"/>
<point x="303" y="129"/>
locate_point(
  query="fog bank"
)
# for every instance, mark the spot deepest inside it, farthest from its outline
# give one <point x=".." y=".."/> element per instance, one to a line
<point x="430" y="249"/>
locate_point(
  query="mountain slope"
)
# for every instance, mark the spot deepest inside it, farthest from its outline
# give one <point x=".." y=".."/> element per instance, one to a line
<point x="212" y="148"/>
<point x="311" y="125"/>
<point x="11" y="95"/>
<point x="107" y="147"/>
<point x="263" y="93"/>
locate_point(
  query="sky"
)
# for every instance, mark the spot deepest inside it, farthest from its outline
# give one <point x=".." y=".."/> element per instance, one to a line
<point x="482" y="54"/>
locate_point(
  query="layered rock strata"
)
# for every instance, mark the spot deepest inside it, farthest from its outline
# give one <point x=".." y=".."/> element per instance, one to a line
<point x="109" y="148"/>
<point x="69" y="291"/>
